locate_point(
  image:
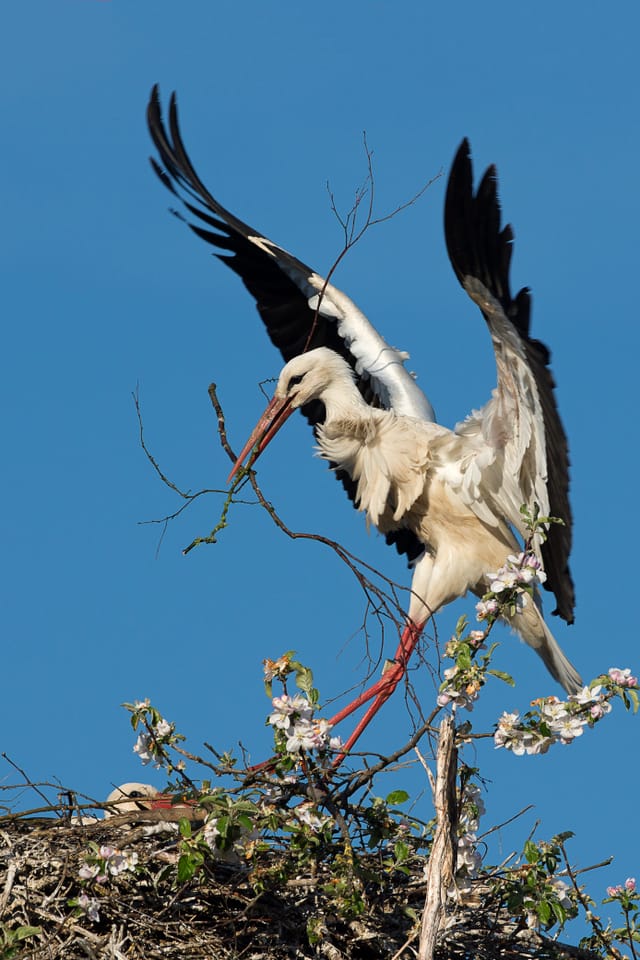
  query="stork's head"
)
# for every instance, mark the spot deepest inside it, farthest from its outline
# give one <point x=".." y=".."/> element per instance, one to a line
<point x="130" y="796"/>
<point x="320" y="374"/>
<point x="311" y="375"/>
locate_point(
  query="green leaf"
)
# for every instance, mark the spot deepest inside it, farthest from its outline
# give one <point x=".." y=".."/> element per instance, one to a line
<point x="397" y="796"/>
<point x="186" y="868"/>
<point x="543" y="909"/>
<point x="304" y="679"/>
<point x="23" y="932"/>
<point x="531" y="852"/>
<point x="564" y="836"/>
<point x="501" y="675"/>
<point x="463" y="658"/>
<point x="559" y="912"/>
<point x="184" y="827"/>
<point x="401" y="851"/>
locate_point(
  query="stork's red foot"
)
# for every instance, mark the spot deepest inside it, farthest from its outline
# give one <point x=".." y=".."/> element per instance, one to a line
<point x="381" y="690"/>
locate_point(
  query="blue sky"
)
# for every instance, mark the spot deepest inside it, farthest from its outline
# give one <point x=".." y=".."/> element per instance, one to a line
<point x="103" y="291"/>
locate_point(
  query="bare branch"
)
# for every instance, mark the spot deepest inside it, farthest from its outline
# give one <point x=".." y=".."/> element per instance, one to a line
<point x="349" y="223"/>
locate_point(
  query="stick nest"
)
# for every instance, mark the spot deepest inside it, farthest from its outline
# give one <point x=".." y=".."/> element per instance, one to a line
<point x="217" y="915"/>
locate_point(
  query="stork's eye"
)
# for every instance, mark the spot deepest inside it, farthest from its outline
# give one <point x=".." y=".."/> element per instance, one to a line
<point x="134" y="794"/>
<point x="294" y="381"/>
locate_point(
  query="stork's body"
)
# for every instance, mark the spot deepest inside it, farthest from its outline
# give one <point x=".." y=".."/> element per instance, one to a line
<point x="448" y="499"/>
<point x="410" y="474"/>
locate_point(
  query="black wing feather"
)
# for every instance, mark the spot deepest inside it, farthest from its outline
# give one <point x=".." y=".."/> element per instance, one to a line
<point x="479" y="248"/>
<point x="293" y="327"/>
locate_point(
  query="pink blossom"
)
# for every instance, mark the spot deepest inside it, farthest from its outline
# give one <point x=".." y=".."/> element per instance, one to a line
<point x="630" y="884"/>
<point x="486" y="608"/>
<point x="623" y="677"/>
<point x="89" y="905"/>
<point x="599" y="710"/>
<point x="476" y="638"/>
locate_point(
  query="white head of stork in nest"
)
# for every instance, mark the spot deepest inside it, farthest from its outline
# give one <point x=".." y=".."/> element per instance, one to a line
<point x="449" y="499"/>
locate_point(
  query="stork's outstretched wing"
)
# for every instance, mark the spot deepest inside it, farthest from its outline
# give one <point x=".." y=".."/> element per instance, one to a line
<point x="522" y="447"/>
<point x="299" y="310"/>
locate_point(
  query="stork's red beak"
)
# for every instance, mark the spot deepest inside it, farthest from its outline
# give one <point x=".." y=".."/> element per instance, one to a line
<point x="274" y="417"/>
<point x="164" y="800"/>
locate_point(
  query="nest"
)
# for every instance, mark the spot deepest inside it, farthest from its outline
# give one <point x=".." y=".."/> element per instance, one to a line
<point x="218" y="915"/>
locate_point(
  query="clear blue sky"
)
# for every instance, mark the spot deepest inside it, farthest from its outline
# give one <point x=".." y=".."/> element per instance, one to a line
<point x="103" y="290"/>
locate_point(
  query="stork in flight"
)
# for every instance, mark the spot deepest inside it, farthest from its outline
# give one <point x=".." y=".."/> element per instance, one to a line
<point x="448" y="499"/>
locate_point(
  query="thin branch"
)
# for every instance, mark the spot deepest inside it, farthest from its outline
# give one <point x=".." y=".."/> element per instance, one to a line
<point x="27" y="780"/>
<point x="384" y="602"/>
<point x="505" y="823"/>
<point x="353" y="235"/>
<point x="594" y="921"/>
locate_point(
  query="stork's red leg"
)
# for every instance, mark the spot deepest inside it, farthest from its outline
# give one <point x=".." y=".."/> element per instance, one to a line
<point x="382" y="689"/>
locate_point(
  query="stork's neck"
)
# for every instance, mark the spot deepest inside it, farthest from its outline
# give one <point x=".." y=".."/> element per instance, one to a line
<point x="342" y="399"/>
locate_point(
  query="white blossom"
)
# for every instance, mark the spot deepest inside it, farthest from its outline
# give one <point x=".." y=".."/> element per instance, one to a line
<point x="307" y="814"/>
<point x="568" y="728"/>
<point x="553" y="710"/>
<point x="210" y="833"/>
<point x="162" y="729"/>
<point x="472" y="807"/>
<point x="285" y="707"/>
<point x="467" y="854"/>
<point x="561" y="890"/>
<point x="462" y="699"/>
<point x="308" y="734"/>
<point x="520" y="741"/>
<point x="302" y="737"/>
<point x="120" y="862"/>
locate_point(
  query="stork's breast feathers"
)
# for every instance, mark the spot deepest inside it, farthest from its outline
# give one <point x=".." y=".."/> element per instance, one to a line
<point x="387" y="456"/>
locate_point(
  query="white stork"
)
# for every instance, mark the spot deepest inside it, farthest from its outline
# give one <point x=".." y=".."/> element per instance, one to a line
<point x="130" y="797"/>
<point x="450" y="500"/>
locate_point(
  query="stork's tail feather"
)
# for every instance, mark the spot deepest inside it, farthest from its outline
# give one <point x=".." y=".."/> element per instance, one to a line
<point x="560" y="668"/>
<point x="534" y="631"/>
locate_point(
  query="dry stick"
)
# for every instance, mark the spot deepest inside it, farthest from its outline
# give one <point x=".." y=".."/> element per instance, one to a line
<point x="404" y="946"/>
<point x="349" y="224"/>
<point x="361" y="778"/>
<point x="385" y="600"/>
<point x="12" y="869"/>
<point x="27" y="780"/>
<point x="596" y="926"/>
<point x="441" y="865"/>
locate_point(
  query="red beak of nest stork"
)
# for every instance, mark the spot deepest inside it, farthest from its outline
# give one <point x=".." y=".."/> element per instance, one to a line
<point x="448" y="499"/>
